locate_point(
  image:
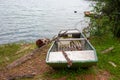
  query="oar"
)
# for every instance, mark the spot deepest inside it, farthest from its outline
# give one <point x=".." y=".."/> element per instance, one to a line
<point x="67" y="58"/>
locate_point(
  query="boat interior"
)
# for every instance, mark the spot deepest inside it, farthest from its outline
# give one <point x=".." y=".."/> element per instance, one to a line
<point x="75" y="45"/>
<point x="71" y="45"/>
<point x="71" y="40"/>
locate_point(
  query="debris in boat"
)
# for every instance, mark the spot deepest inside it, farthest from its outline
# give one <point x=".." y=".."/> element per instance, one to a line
<point x="41" y="42"/>
<point x="69" y="45"/>
<point x="112" y="63"/>
<point x="77" y="45"/>
<point x="82" y="45"/>
<point x="107" y="50"/>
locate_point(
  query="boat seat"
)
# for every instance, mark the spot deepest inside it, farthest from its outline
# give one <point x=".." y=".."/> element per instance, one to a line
<point x="82" y="56"/>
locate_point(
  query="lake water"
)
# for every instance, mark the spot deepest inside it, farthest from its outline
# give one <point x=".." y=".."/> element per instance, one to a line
<point x="29" y="20"/>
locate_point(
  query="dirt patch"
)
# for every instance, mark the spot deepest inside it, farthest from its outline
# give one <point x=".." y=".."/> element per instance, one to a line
<point x="86" y="77"/>
<point x="37" y="67"/>
<point x="103" y="75"/>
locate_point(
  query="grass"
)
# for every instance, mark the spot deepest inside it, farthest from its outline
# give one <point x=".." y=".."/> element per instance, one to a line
<point x="11" y="52"/>
<point x="70" y="73"/>
<point x="67" y="74"/>
<point x="8" y="51"/>
<point x="101" y="43"/>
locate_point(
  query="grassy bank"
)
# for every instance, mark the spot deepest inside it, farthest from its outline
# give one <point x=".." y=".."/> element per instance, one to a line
<point x="11" y="52"/>
<point x="101" y="43"/>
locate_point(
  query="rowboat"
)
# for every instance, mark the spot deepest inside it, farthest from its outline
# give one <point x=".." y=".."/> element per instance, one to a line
<point x="71" y="49"/>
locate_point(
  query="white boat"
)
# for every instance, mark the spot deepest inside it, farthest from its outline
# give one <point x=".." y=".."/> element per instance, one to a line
<point x="71" y="49"/>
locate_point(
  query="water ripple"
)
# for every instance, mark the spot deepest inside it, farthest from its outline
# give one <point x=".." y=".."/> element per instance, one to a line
<point x="28" y="20"/>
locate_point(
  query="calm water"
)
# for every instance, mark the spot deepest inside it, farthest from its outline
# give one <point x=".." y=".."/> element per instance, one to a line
<point x="28" y="20"/>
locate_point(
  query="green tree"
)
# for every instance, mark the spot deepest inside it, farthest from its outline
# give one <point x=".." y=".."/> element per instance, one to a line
<point x="110" y="10"/>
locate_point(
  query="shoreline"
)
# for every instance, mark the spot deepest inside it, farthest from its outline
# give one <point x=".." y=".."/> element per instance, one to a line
<point x="14" y="51"/>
